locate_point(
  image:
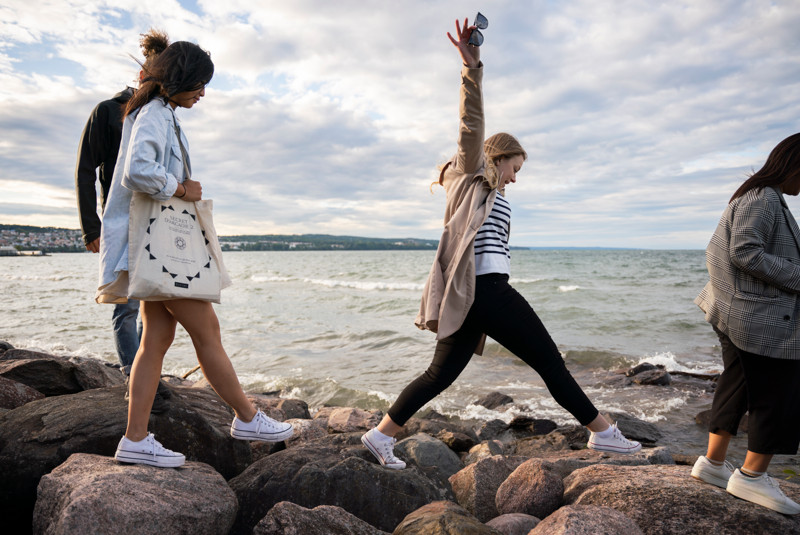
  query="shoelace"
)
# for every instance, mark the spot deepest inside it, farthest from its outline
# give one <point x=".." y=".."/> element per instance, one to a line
<point x="729" y="466"/>
<point x="155" y="446"/>
<point x="267" y="422"/>
<point x="619" y="436"/>
<point x="388" y="450"/>
<point x="772" y="483"/>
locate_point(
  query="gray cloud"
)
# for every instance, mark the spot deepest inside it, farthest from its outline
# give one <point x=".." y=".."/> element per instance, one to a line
<point x="639" y="119"/>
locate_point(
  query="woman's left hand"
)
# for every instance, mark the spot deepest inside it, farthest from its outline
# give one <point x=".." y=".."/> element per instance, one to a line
<point x="194" y="191"/>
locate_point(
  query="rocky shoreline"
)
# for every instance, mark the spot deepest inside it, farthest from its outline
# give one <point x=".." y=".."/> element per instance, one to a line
<point x="61" y="419"/>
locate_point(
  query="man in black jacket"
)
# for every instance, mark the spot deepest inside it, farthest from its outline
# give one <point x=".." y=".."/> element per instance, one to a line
<point x="98" y="150"/>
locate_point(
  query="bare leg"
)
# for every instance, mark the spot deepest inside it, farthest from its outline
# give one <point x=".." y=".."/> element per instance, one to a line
<point x="200" y="321"/>
<point x="598" y="425"/>
<point x="756" y="462"/>
<point x="388" y="427"/>
<point x="718" y="446"/>
<point x="157" y="335"/>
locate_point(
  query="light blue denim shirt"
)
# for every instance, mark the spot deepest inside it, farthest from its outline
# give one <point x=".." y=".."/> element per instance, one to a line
<point x="149" y="161"/>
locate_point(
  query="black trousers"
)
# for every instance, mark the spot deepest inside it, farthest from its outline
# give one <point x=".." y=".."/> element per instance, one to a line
<point x="767" y="388"/>
<point x="503" y="314"/>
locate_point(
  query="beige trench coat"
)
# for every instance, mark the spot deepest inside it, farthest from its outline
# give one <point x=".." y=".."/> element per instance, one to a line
<point x="450" y="288"/>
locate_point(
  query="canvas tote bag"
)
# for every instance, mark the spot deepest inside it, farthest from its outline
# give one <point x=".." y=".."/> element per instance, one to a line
<point x="173" y="249"/>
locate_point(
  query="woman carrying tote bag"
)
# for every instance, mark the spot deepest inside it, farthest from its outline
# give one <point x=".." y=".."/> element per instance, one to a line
<point x="154" y="165"/>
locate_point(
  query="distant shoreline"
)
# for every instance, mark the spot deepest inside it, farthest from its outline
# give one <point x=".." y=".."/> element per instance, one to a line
<point x="30" y="238"/>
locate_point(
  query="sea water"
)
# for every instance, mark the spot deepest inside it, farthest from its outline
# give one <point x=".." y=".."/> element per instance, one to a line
<point x="337" y="327"/>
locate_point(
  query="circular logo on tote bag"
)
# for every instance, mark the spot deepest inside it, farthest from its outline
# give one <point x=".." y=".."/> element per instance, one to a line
<point x="180" y="243"/>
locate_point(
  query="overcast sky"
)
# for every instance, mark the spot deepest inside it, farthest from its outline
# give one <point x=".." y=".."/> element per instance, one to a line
<point x="640" y="118"/>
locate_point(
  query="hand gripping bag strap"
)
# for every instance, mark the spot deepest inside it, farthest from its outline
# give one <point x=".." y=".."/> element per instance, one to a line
<point x="204" y="215"/>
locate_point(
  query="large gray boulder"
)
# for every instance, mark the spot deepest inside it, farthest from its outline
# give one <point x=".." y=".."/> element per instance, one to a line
<point x="493" y="400"/>
<point x="493" y="430"/>
<point x="442" y="518"/>
<point x="54" y="375"/>
<point x="566" y="462"/>
<point x="475" y="486"/>
<point x="585" y="520"/>
<point x="455" y="440"/>
<point x="287" y="518"/>
<point x="431" y="455"/>
<point x="434" y="426"/>
<point x="653" y="377"/>
<point x="281" y="409"/>
<point x="514" y="523"/>
<point x="665" y="500"/>
<point x="336" y="470"/>
<point x="307" y="430"/>
<point x="350" y="420"/>
<point x="533" y="489"/>
<point x="14" y="394"/>
<point x="635" y="429"/>
<point x="40" y="435"/>
<point x="485" y="449"/>
<point x="95" y="494"/>
<point x="347" y="419"/>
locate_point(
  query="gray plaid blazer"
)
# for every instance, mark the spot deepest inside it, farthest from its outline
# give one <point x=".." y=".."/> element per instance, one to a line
<point x="753" y="261"/>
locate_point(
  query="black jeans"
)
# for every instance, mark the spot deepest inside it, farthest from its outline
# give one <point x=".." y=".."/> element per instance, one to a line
<point x="504" y="315"/>
<point x="768" y="389"/>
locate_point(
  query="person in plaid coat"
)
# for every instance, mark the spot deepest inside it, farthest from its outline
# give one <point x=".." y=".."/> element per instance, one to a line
<point x="751" y="301"/>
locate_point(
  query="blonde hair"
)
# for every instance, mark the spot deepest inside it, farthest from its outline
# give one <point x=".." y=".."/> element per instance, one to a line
<point x="500" y="145"/>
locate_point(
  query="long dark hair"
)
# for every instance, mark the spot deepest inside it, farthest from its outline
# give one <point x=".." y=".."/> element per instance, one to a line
<point x="182" y="66"/>
<point x="782" y="165"/>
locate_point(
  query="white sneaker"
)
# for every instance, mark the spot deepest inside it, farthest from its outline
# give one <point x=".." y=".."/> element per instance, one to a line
<point x="616" y="442"/>
<point x="718" y="475"/>
<point x="262" y="428"/>
<point x="382" y="449"/>
<point x="762" y="490"/>
<point x="148" y="451"/>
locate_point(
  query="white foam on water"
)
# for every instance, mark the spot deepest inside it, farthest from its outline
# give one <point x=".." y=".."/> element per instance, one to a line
<point x="54" y="348"/>
<point x="670" y="363"/>
<point x="523" y="281"/>
<point x="292" y="393"/>
<point x="479" y="412"/>
<point x="55" y="278"/>
<point x="389" y="398"/>
<point x="264" y="382"/>
<point x="568" y="288"/>
<point x="363" y="285"/>
<point x="271" y="278"/>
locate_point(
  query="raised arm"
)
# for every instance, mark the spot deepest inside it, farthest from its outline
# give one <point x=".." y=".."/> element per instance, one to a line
<point x="470" y="55"/>
<point x="469" y="157"/>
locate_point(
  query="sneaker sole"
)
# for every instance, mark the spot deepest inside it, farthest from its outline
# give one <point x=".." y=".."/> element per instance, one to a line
<point x="710" y="479"/>
<point x="263" y="437"/>
<point x="373" y="451"/>
<point x="764" y="501"/>
<point x="143" y="458"/>
<point x="612" y="449"/>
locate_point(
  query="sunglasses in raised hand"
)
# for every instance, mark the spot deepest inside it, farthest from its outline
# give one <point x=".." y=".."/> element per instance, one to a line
<point x="481" y="23"/>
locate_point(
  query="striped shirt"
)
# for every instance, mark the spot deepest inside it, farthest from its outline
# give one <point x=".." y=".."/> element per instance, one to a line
<point x="491" y="243"/>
